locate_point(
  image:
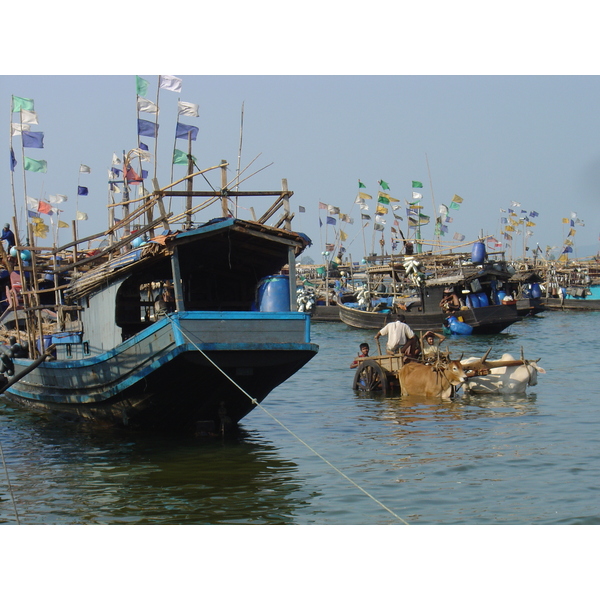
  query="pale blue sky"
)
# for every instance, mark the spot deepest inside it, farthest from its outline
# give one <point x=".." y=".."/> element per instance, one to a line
<point x="492" y="140"/>
<point x="438" y="84"/>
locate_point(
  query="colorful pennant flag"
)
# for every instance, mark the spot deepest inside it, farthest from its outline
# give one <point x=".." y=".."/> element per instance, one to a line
<point x="187" y="109"/>
<point x="19" y="103"/>
<point x="383" y="185"/>
<point x="29" y="117"/>
<point x="147" y="106"/>
<point x="169" y="82"/>
<point x="141" y="86"/>
<point x="32" y="139"/>
<point x="361" y="184"/>
<point x="36" y="166"/>
<point x="183" y="130"/>
<point x="147" y="128"/>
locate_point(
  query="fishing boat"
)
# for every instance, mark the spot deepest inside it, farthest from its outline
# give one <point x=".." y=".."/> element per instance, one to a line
<point x="416" y="289"/>
<point x="161" y="328"/>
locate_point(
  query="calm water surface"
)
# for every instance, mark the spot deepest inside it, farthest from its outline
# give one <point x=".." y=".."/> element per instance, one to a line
<point x="528" y="459"/>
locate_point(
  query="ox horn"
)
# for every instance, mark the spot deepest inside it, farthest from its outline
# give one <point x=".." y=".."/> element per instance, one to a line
<point x="486" y="355"/>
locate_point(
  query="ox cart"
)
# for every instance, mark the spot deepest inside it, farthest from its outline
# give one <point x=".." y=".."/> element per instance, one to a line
<point x="442" y="377"/>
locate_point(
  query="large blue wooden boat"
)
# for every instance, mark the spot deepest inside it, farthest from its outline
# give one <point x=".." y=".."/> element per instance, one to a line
<point x="182" y="330"/>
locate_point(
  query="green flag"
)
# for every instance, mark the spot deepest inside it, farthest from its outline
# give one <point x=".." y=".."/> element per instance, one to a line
<point x="361" y="184"/>
<point x="383" y="200"/>
<point x="21" y="103"/>
<point x="384" y="185"/>
<point x="141" y="86"/>
<point x="417" y="184"/>
<point x="37" y="166"/>
<point x="454" y="205"/>
<point x="180" y="157"/>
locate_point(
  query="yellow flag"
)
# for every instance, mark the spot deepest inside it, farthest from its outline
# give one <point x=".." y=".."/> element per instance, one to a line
<point x="381" y="209"/>
<point x="62" y="224"/>
<point x="343" y="236"/>
<point x="566" y="221"/>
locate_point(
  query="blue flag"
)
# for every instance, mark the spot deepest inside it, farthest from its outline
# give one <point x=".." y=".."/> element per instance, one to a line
<point x="32" y="139"/>
<point x="143" y="146"/>
<point x="147" y="128"/>
<point x="82" y="191"/>
<point x="182" y="131"/>
<point x="330" y="221"/>
<point x="13" y="160"/>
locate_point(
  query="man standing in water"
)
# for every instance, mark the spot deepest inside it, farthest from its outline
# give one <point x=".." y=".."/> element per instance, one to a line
<point x="400" y="336"/>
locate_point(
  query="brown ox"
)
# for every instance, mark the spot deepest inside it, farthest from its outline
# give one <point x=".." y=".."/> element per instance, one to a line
<point x="417" y="379"/>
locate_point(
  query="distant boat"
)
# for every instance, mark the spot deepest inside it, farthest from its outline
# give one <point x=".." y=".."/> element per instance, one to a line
<point x="481" y="289"/>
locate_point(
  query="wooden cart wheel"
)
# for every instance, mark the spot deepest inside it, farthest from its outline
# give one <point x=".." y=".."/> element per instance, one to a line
<point x="371" y="377"/>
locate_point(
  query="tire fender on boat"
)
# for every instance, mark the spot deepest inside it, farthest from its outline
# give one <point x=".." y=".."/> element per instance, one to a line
<point x="6" y="364"/>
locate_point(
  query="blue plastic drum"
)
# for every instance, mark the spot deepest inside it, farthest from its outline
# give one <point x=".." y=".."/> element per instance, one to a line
<point x="273" y="294"/>
<point x="478" y="253"/>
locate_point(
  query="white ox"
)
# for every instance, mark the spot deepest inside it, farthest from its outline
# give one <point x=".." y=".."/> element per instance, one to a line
<point x="512" y="377"/>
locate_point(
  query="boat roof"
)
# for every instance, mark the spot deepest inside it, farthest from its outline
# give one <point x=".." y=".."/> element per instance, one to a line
<point x="221" y="242"/>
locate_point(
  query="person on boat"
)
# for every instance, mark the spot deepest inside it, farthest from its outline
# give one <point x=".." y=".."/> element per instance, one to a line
<point x="9" y="236"/>
<point x="450" y="302"/>
<point x="431" y="345"/>
<point x="364" y="352"/>
<point x="400" y="337"/>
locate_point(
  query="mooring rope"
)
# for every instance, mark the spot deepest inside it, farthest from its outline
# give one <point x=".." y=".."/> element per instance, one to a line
<point x="257" y="403"/>
<point x="9" y="486"/>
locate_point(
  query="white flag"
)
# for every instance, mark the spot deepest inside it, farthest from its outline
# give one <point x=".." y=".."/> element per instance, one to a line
<point x="187" y="109"/>
<point x="84" y="169"/>
<point x="144" y="105"/>
<point x="81" y="216"/>
<point x="29" y="116"/>
<point x="379" y="219"/>
<point x="417" y="196"/>
<point x="17" y="128"/>
<point x="32" y="203"/>
<point x="168" y="82"/>
<point x="144" y="155"/>
<point x="116" y="160"/>
<point x="57" y="199"/>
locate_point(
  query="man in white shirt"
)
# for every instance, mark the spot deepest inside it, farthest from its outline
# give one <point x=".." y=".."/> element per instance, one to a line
<point x="398" y="334"/>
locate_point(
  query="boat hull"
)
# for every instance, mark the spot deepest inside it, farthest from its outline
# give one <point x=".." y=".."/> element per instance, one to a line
<point x="484" y="320"/>
<point x="571" y="304"/>
<point x="182" y="371"/>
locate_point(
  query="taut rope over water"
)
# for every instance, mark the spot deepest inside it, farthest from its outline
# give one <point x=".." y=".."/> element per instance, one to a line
<point x="9" y="486"/>
<point x="257" y="403"/>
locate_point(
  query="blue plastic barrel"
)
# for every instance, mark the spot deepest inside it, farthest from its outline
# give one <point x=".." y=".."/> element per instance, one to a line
<point x="536" y="291"/>
<point x="483" y="299"/>
<point x="459" y="327"/>
<point x="478" y="253"/>
<point x="474" y="300"/>
<point x="501" y="295"/>
<point x="273" y="294"/>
